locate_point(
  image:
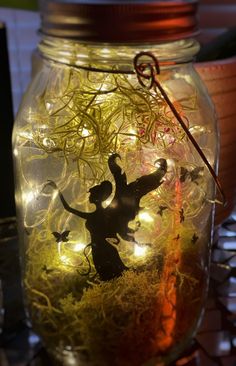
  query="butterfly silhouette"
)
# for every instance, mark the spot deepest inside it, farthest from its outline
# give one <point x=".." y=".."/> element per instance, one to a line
<point x="61" y="237"/>
<point x="194" y="238"/>
<point x="181" y="215"/>
<point x="177" y="237"/>
<point x="161" y="210"/>
<point x="192" y="174"/>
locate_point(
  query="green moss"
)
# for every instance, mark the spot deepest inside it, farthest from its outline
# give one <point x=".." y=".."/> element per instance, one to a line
<point x="118" y="321"/>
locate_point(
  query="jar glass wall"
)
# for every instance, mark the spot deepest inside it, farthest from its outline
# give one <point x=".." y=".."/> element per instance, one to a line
<point x="114" y="202"/>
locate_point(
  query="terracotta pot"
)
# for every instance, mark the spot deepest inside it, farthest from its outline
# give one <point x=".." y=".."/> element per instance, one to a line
<point x="220" y="79"/>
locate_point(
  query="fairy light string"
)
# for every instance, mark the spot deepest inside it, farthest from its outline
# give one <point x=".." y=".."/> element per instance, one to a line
<point x="150" y="71"/>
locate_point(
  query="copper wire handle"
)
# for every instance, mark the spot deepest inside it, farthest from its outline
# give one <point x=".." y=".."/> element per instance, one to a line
<point x="153" y="69"/>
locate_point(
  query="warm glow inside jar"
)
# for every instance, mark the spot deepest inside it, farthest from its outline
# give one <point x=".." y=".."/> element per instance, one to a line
<point x="114" y="202"/>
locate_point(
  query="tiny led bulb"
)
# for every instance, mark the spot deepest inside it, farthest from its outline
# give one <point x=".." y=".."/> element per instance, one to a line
<point x="85" y="132"/>
<point x="28" y="196"/>
<point x="78" y="247"/>
<point x="145" y="216"/>
<point x="139" y="251"/>
<point x="65" y="259"/>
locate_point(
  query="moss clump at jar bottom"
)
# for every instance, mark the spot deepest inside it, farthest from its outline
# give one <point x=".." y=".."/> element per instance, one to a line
<point x="125" y="321"/>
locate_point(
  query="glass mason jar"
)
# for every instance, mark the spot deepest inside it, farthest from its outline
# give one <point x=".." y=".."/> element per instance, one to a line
<point x="114" y="200"/>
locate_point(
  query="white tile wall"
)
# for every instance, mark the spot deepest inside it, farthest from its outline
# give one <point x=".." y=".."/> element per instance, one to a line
<point x="22" y="31"/>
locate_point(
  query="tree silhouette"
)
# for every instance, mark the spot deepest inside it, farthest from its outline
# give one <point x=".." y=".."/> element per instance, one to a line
<point x="113" y="220"/>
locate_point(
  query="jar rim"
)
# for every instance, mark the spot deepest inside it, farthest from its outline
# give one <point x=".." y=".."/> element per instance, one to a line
<point x="121" y="22"/>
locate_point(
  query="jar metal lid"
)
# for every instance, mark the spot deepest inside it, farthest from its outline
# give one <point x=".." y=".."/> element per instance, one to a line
<point x="121" y="22"/>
